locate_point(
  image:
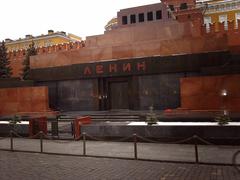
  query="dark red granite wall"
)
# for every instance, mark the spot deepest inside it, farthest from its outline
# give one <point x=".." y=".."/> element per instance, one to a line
<point x="26" y="99"/>
<point x="205" y="93"/>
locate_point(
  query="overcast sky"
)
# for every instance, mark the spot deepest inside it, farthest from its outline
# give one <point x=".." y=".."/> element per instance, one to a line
<point x="79" y="17"/>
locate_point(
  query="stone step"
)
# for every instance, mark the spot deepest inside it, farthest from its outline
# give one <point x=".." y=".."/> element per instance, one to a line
<point x="104" y="117"/>
<point x="114" y="120"/>
<point x="115" y="117"/>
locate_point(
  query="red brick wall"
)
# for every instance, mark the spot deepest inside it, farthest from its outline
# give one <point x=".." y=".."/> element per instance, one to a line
<point x="204" y="93"/>
<point x="26" y="99"/>
<point x="16" y="58"/>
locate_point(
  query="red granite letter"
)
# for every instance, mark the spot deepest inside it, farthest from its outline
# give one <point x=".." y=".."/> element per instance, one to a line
<point x="99" y="69"/>
<point x="87" y="71"/>
<point x="141" y="66"/>
<point x="112" y="68"/>
<point x="127" y="67"/>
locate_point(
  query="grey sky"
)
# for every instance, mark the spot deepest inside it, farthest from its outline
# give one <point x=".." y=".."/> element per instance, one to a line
<point x="82" y="18"/>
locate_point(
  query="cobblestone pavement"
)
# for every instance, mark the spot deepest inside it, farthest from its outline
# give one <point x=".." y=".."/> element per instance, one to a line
<point x="29" y="166"/>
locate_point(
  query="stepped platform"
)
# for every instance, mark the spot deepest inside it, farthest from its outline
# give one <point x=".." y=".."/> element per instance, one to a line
<point x="171" y="125"/>
<point x="104" y="116"/>
<point x="167" y="131"/>
<point x="178" y="115"/>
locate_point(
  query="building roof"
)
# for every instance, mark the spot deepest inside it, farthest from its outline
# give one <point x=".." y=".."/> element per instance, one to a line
<point x="51" y="34"/>
<point x="111" y="24"/>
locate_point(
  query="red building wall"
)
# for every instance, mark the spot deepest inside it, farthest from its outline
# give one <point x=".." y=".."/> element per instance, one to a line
<point x="24" y="99"/>
<point x="205" y="93"/>
<point x="146" y="40"/>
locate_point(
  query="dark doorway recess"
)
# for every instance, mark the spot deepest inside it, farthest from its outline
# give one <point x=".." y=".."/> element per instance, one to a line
<point x="118" y="95"/>
<point x="114" y="93"/>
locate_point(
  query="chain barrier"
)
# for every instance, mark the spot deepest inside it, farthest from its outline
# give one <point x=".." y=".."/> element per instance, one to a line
<point x="123" y="139"/>
<point x="182" y="141"/>
<point x="59" y="141"/>
<point x="146" y="139"/>
<point x="236" y="160"/>
<point x="194" y="138"/>
<point x="203" y="140"/>
<point x="134" y="138"/>
<point x="93" y="138"/>
<point x="35" y="136"/>
<point x="30" y="137"/>
<point x="79" y="138"/>
<point x="118" y="140"/>
<point x="175" y="142"/>
<point x="46" y="136"/>
<point x="17" y="135"/>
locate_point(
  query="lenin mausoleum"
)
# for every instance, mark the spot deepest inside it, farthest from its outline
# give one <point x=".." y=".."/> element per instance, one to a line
<point x="176" y="54"/>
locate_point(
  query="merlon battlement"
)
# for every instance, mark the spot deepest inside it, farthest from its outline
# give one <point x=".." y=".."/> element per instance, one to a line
<point x="47" y="50"/>
<point x="226" y="27"/>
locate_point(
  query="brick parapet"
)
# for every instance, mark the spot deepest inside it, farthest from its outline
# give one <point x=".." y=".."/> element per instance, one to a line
<point x="46" y="50"/>
<point x="221" y="28"/>
<point x="231" y="30"/>
<point x="16" y="57"/>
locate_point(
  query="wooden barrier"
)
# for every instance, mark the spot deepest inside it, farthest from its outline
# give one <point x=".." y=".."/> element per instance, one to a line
<point x="77" y="125"/>
<point x="36" y="125"/>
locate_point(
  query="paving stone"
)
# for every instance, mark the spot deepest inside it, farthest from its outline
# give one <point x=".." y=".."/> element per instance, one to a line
<point x="19" y="165"/>
<point x="28" y="166"/>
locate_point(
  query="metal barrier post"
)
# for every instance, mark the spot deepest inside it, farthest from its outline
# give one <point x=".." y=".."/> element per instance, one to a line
<point x="196" y="149"/>
<point x="135" y="146"/>
<point x="73" y="130"/>
<point x="84" y="144"/>
<point x="41" y="141"/>
<point x="11" y="140"/>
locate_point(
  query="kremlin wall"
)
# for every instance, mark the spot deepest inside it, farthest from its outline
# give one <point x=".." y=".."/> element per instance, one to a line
<point x="167" y="63"/>
<point x="138" y="42"/>
<point x="16" y="57"/>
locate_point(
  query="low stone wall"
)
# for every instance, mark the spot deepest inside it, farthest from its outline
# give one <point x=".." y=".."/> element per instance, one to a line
<point x="165" y="132"/>
<point x="24" y="99"/>
<point x="22" y="129"/>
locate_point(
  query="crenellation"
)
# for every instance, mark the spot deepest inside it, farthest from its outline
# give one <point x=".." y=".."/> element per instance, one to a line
<point x="39" y="50"/>
<point x="20" y="54"/>
<point x="10" y="54"/>
<point x="49" y="49"/>
<point x="204" y="29"/>
<point x="238" y="25"/>
<point x="231" y="26"/>
<point x="221" y="28"/>
<point x="212" y="28"/>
